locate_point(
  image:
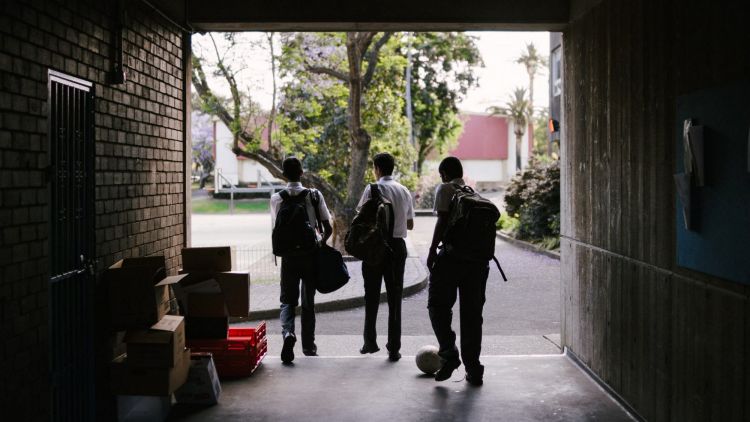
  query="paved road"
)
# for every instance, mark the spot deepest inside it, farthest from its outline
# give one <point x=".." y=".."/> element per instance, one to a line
<point x="520" y="316"/>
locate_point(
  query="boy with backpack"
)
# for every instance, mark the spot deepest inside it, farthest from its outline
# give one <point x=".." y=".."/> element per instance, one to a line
<point x="465" y="232"/>
<point x="391" y="267"/>
<point x="300" y="215"/>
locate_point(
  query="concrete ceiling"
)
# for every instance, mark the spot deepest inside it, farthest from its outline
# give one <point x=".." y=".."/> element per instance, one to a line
<point x="339" y="15"/>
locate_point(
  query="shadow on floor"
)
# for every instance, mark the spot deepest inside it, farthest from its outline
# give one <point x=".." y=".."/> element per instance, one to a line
<point x="516" y="388"/>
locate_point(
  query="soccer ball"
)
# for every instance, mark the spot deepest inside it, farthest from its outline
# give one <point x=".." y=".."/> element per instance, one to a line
<point x="428" y="360"/>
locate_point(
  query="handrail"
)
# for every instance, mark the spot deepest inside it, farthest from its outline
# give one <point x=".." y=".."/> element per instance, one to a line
<point x="218" y="177"/>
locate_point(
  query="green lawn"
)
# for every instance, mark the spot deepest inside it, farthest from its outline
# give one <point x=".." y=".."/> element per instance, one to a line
<point x="220" y="206"/>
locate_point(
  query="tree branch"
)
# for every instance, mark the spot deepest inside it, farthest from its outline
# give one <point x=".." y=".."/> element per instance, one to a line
<point x="372" y="58"/>
<point x="265" y="158"/>
<point x="320" y="70"/>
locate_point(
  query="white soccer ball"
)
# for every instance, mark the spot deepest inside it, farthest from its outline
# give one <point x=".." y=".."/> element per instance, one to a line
<point x="428" y="360"/>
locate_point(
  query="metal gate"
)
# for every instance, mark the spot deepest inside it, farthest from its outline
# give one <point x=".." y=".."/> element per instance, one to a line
<point x="71" y="152"/>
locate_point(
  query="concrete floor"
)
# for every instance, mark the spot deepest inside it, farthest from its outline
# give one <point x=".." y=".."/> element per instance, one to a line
<point x="516" y="388"/>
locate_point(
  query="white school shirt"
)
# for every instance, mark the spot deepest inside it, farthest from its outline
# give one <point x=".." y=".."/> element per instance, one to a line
<point x="444" y="194"/>
<point x="400" y="197"/>
<point x="294" y="188"/>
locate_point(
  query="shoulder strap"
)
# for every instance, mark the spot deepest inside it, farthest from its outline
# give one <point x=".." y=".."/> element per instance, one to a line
<point x="315" y="199"/>
<point x="284" y="194"/>
<point x="374" y="190"/>
<point x="502" y="273"/>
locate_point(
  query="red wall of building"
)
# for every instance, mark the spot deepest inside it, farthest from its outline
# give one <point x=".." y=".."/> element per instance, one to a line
<point x="483" y="138"/>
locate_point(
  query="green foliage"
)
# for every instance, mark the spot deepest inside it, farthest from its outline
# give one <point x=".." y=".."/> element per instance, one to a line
<point x="442" y="69"/>
<point x="541" y="136"/>
<point x="534" y="196"/>
<point x="508" y="224"/>
<point x="313" y="108"/>
<point x="517" y="109"/>
<point x="217" y="206"/>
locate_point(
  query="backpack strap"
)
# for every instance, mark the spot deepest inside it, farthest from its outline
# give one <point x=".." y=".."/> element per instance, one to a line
<point x="502" y="273"/>
<point x="374" y="190"/>
<point x="315" y="199"/>
<point x="284" y="194"/>
<point x="375" y="193"/>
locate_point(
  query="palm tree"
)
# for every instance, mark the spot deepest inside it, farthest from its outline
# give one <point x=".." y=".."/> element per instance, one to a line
<point x="518" y="110"/>
<point x="533" y="61"/>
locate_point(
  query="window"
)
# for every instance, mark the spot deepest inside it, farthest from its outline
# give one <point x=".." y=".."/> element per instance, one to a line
<point x="556" y="72"/>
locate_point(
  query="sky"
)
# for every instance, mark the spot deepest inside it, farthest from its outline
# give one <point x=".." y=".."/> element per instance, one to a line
<point x="497" y="79"/>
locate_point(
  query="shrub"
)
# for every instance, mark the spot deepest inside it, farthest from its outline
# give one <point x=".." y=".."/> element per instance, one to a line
<point x="508" y="224"/>
<point x="425" y="194"/>
<point x="534" y="196"/>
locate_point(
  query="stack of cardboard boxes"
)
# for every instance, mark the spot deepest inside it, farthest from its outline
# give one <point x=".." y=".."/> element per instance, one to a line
<point x="140" y="297"/>
<point x="210" y="292"/>
<point x="154" y="316"/>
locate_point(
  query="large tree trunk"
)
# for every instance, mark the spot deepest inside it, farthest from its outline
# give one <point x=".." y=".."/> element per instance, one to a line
<point x="356" y="45"/>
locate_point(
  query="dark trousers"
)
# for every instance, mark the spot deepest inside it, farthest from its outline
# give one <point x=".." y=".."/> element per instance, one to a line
<point x="293" y="270"/>
<point x="392" y="271"/>
<point x="469" y="279"/>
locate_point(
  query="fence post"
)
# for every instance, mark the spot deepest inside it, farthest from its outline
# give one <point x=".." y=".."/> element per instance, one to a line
<point x="231" y="200"/>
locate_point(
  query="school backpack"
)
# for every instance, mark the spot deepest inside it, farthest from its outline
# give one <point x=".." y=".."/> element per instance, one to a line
<point x="293" y="233"/>
<point x="371" y="228"/>
<point x="470" y="233"/>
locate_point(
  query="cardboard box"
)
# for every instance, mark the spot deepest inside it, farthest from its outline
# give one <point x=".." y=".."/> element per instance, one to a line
<point x="213" y="259"/>
<point x="206" y="305"/>
<point x="159" y="346"/>
<point x="136" y="299"/>
<point x="202" y="385"/>
<point x="206" y="328"/>
<point x="138" y="381"/>
<point x="236" y="288"/>
<point x="158" y="263"/>
<point x="234" y="285"/>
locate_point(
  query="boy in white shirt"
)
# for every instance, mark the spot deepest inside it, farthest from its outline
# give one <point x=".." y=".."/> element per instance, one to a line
<point x="299" y="267"/>
<point x="392" y="269"/>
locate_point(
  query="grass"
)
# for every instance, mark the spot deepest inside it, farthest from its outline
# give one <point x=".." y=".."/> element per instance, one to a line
<point x="214" y="206"/>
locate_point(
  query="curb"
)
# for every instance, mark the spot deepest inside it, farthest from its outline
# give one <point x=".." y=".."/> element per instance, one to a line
<point x="336" y="304"/>
<point x="528" y="246"/>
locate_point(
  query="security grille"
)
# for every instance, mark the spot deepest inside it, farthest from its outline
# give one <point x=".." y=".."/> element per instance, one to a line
<point x="71" y="152"/>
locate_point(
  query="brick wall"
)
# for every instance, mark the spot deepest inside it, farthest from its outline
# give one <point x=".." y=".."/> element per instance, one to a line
<point x="139" y="163"/>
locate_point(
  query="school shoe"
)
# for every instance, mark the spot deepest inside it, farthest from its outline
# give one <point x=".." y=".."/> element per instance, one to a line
<point x="475" y="377"/>
<point x="310" y="351"/>
<point x="369" y="348"/>
<point x="287" y="351"/>
<point x="394" y="356"/>
<point x="447" y="369"/>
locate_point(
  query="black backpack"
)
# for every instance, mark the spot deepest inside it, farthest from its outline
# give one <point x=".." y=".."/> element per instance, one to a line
<point x="371" y="228"/>
<point x="293" y="233"/>
<point x="470" y="233"/>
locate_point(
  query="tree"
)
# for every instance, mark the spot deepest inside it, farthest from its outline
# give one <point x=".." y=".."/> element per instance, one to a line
<point x="533" y="61"/>
<point x="442" y="69"/>
<point x="355" y="68"/>
<point x="518" y="110"/>
<point x="203" y="157"/>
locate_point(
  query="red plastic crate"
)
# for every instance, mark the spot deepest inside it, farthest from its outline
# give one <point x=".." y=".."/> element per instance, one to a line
<point x="239" y="354"/>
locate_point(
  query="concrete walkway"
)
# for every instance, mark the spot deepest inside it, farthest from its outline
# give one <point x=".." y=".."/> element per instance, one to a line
<point x="516" y="388"/>
<point x="264" y="298"/>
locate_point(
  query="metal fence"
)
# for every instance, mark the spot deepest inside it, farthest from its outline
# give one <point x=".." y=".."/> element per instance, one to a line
<point x="258" y="261"/>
